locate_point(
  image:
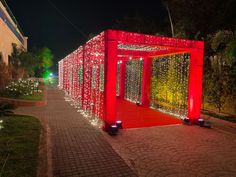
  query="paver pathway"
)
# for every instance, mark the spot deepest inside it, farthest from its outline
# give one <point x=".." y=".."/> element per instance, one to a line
<point x="178" y="151"/>
<point x="78" y="149"/>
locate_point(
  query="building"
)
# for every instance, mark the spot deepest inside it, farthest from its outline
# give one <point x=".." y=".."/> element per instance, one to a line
<point x="9" y="33"/>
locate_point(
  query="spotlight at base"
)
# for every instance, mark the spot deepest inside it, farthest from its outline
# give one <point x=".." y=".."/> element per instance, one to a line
<point x="201" y="122"/>
<point x="119" y="124"/>
<point x="138" y="104"/>
<point x="113" y="130"/>
<point x="186" y="120"/>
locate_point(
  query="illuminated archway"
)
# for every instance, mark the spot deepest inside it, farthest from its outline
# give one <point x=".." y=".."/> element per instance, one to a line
<point x="101" y="69"/>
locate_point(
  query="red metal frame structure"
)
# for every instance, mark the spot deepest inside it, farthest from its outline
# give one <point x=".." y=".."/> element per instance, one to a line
<point x="89" y="74"/>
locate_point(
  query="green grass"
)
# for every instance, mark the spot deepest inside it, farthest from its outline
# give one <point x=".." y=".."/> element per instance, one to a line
<point x="19" y="142"/>
<point x="51" y="82"/>
<point x="34" y="97"/>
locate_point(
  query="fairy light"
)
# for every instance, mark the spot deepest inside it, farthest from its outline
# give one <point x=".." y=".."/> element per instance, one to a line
<point x="60" y="74"/>
<point x="118" y="78"/>
<point x="169" y="87"/>
<point x="140" y="47"/>
<point x="79" y="80"/>
<point x="82" y="78"/>
<point x="133" y="89"/>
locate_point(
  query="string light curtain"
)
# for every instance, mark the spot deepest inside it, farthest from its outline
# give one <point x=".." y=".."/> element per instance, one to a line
<point x="60" y="74"/>
<point x="93" y="79"/>
<point x="133" y="82"/>
<point x="169" y="86"/>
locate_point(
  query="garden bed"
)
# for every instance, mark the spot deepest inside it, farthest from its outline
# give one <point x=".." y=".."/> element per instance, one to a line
<point x="34" y="97"/>
<point x="25" y="102"/>
<point x="19" y="143"/>
<point x="25" y="95"/>
<point x="227" y="117"/>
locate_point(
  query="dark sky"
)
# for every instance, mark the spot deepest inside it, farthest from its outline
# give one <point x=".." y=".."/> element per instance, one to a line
<point x="46" y="27"/>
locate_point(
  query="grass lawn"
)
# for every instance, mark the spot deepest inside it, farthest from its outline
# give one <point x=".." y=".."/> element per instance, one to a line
<point x="19" y="142"/>
<point x="34" y="97"/>
<point x="223" y="117"/>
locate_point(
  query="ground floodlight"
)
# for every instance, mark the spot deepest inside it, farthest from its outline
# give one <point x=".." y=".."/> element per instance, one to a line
<point x="119" y="124"/>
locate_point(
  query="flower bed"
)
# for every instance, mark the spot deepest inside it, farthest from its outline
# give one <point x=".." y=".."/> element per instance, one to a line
<point x="24" y="93"/>
<point x="21" y="89"/>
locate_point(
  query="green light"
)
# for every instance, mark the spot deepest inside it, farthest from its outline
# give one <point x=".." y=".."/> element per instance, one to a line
<point x="46" y="74"/>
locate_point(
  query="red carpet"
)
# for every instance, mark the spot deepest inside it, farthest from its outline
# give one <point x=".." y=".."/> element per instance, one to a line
<point x="134" y="116"/>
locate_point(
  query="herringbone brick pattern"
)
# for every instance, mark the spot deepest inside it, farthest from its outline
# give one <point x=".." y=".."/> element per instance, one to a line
<point x="78" y="149"/>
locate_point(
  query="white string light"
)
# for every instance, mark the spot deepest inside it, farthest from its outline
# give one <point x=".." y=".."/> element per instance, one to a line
<point x="140" y="47"/>
<point x="133" y="81"/>
<point x="169" y="86"/>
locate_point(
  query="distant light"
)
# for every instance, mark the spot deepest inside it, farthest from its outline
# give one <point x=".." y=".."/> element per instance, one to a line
<point x="51" y="74"/>
<point x="119" y="62"/>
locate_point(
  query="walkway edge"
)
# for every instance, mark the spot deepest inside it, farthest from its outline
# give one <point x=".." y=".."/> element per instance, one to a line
<point x="44" y="168"/>
<point x="49" y="152"/>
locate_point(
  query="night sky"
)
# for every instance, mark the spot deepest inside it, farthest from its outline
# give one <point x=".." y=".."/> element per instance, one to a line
<point x="46" y="27"/>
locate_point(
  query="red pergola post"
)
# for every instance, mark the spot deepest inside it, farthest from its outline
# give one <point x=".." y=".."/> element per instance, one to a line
<point x="195" y="85"/>
<point x="110" y="78"/>
<point x="146" y="81"/>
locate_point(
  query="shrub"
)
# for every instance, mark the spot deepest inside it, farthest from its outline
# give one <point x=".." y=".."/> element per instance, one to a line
<point x="6" y="109"/>
<point x="22" y="87"/>
<point x="5" y="76"/>
<point x="16" y="73"/>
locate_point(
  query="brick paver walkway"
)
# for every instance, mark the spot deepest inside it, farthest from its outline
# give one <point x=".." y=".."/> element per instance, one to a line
<point x="178" y="150"/>
<point x="78" y="149"/>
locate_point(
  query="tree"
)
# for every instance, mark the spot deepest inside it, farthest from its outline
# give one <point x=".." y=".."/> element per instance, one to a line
<point x="29" y="62"/>
<point x="216" y="91"/>
<point x="14" y="67"/>
<point x="165" y="2"/>
<point x="197" y="19"/>
<point x="45" y="58"/>
<point x="4" y="75"/>
<point x="15" y="56"/>
<point x="219" y="72"/>
<point x="36" y="63"/>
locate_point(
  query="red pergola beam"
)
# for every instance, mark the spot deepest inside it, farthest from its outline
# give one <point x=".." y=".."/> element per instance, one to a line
<point x="128" y="53"/>
<point x="136" y="38"/>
